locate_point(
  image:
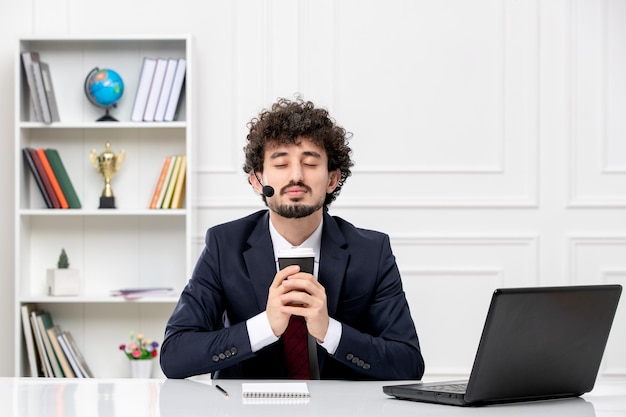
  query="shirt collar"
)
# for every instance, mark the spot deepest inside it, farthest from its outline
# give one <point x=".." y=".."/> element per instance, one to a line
<point x="314" y="241"/>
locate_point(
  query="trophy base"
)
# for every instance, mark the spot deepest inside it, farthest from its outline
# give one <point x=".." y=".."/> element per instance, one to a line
<point x="107" y="202"/>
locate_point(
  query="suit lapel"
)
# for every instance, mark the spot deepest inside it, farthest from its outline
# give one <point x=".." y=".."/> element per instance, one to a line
<point x="260" y="261"/>
<point x="333" y="262"/>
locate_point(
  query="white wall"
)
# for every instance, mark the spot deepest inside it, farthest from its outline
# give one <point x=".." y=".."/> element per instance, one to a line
<point x="489" y="135"/>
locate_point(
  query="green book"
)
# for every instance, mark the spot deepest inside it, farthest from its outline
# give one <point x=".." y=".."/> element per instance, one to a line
<point x="64" y="180"/>
<point x="44" y="320"/>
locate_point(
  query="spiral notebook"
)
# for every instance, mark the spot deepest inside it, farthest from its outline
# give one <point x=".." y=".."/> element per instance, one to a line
<point x="272" y="390"/>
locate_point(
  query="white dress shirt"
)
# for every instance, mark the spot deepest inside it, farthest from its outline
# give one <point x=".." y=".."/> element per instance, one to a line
<point x="259" y="329"/>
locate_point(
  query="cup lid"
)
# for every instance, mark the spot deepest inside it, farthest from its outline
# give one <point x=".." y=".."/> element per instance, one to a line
<point x="296" y="253"/>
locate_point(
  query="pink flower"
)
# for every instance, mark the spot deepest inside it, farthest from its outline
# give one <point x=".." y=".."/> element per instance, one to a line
<point x="140" y="347"/>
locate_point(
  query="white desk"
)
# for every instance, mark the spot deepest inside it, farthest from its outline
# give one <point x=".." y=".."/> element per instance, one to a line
<point x="26" y="397"/>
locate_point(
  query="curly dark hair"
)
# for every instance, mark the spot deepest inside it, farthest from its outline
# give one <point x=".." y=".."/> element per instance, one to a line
<point x="289" y="120"/>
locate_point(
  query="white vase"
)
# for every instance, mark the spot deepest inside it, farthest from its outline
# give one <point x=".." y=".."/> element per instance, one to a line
<point x="141" y="368"/>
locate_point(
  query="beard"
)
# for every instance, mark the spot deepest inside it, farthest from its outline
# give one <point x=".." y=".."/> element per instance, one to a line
<point x="296" y="211"/>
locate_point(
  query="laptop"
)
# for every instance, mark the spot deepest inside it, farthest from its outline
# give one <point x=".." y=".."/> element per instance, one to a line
<point x="537" y="343"/>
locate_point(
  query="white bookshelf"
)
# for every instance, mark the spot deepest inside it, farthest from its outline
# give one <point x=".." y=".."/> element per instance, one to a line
<point x="129" y="246"/>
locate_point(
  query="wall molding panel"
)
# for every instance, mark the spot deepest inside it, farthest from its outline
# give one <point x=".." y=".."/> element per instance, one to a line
<point x="467" y="290"/>
<point x="597" y="157"/>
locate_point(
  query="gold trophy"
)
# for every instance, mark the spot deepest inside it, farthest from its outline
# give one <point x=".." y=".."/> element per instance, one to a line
<point x="107" y="164"/>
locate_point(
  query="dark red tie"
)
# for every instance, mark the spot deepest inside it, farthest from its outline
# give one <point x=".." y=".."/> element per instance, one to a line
<point x="295" y="343"/>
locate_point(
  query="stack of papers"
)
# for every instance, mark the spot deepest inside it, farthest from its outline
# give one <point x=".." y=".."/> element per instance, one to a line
<point x="135" y="293"/>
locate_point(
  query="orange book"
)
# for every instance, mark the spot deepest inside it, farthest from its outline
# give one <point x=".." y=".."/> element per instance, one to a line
<point x="53" y="179"/>
<point x="160" y="182"/>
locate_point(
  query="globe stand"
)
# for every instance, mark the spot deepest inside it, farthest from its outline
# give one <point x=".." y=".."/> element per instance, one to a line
<point x="107" y="117"/>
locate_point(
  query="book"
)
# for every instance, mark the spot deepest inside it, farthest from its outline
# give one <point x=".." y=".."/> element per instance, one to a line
<point x="155" y="90"/>
<point x="44" y="321"/>
<point x="34" y="363"/>
<point x="160" y="182"/>
<point x="27" y="65"/>
<point x="39" y="86"/>
<point x="44" y="178"/>
<point x="78" y="355"/>
<point x="41" y="349"/>
<point x="52" y="178"/>
<point x="53" y="333"/>
<point x="33" y="169"/>
<point x="180" y="184"/>
<point x="168" y="177"/>
<point x="49" y="90"/>
<point x="275" y="390"/>
<point x="166" y="89"/>
<point x="143" y="89"/>
<point x="63" y="178"/>
<point x="171" y="183"/>
<point x="177" y="86"/>
<point x="73" y="362"/>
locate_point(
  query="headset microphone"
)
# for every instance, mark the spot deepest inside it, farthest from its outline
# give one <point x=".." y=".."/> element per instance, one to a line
<point x="267" y="190"/>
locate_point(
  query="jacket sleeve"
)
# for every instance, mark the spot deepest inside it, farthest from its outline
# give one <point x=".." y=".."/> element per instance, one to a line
<point x="379" y="340"/>
<point x="196" y="340"/>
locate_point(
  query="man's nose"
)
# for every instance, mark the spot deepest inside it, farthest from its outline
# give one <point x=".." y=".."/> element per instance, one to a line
<point x="296" y="173"/>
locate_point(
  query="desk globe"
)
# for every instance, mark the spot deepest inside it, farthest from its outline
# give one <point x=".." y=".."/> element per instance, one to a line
<point x="104" y="88"/>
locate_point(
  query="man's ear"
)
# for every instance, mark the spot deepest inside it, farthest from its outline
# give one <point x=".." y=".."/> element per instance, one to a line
<point x="333" y="180"/>
<point x="254" y="181"/>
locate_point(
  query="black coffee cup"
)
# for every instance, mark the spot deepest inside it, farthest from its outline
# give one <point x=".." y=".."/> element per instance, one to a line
<point x="305" y="257"/>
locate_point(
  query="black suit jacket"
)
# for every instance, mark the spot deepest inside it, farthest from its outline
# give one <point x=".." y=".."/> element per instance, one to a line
<point x="207" y="331"/>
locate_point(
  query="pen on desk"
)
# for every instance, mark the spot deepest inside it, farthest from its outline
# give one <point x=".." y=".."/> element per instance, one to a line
<point x="222" y="390"/>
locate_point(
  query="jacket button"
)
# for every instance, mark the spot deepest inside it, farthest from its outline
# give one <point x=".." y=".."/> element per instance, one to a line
<point x="222" y="356"/>
<point x="216" y="358"/>
<point x="366" y="366"/>
<point x="233" y="351"/>
<point x="361" y="363"/>
<point x="349" y="356"/>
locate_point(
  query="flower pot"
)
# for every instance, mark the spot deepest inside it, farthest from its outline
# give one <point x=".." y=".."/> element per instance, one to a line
<point x="63" y="281"/>
<point x="141" y="368"/>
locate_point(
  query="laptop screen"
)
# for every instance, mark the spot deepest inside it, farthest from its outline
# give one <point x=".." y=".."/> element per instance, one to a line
<point x="539" y="342"/>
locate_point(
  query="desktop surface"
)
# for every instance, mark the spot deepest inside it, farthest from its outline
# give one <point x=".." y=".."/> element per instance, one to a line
<point x="42" y="397"/>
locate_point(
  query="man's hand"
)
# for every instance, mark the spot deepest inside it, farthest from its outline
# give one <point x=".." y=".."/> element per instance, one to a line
<point x="297" y="293"/>
<point x="279" y="319"/>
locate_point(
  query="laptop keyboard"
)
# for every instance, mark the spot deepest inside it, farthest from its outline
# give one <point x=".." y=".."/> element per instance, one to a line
<point x="457" y="388"/>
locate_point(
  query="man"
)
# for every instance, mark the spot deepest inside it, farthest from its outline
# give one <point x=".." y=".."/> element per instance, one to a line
<point x="237" y="306"/>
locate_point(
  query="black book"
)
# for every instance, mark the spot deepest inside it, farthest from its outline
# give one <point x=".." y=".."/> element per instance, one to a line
<point x="31" y="164"/>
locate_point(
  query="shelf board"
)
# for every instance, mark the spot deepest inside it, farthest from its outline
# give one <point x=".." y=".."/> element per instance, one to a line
<point x="104" y="125"/>
<point x="103" y="299"/>
<point x="103" y="212"/>
<point x="106" y="38"/>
